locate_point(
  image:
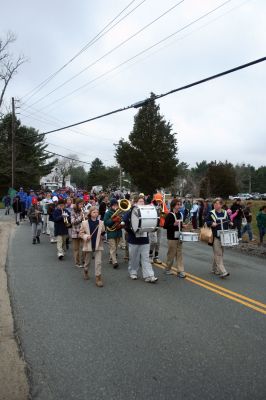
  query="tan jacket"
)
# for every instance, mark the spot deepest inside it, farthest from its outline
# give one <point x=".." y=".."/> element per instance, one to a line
<point x="85" y="232"/>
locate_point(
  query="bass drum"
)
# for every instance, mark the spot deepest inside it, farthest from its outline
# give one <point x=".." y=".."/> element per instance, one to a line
<point x="144" y="219"/>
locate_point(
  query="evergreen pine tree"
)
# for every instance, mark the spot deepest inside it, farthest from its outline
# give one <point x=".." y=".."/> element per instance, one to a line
<point x="32" y="162"/>
<point x="150" y="154"/>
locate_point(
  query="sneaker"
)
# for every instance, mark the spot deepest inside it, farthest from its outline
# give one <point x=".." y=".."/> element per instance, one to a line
<point x="115" y="266"/>
<point x="78" y="266"/>
<point x="215" y="272"/>
<point x="157" y="260"/>
<point x="151" y="279"/>
<point x="134" y="277"/>
<point x="33" y="241"/>
<point x="169" y="272"/>
<point x="224" y="275"/>
<point x="38" y="239"/>
<point x="60" y="256"/>
<point x="181" y="275"/>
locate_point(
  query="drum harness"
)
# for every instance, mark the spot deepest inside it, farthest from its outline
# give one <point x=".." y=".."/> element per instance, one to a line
<point x="222" y="219"/>
<point x="177" y="233"/>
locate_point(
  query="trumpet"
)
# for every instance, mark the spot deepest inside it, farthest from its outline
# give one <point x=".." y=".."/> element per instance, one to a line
<point x="124" y="205"/>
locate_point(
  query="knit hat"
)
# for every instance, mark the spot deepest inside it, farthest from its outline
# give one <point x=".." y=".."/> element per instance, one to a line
<point x="113" y="202"/>
<point x="55" y="198"/>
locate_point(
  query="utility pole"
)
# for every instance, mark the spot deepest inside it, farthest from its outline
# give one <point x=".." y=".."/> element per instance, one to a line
<point x="120" y="178"/>
<point x="13" y="143"/>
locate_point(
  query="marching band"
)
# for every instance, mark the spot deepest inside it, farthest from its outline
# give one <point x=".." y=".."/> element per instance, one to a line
<point x="88" y="223"/>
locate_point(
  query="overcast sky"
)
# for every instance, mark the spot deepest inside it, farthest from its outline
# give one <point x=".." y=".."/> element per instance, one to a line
<point x="221" y="120"/>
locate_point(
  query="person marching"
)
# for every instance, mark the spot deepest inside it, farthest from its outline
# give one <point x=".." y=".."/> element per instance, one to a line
<point x="218" y="220"/>
<point x="91" y="232"/>
<point x="7" y="203"/>
<point x="17" y="208"/>
<point x="60" y="217"/>
<point x="45" y="204"/>
<point x="35" y="216"/>
<point x="155" y="237"/>
<point x="173" y="224"/>
<point x="77" y="217"/>
<point x="138" y="250"/>
<point x="113" y="234"/>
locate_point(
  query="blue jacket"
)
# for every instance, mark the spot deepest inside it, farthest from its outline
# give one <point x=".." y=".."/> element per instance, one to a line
<point x="29" y="201"/>
<point x="59" y="225"/>
<point x="23" y="196"/>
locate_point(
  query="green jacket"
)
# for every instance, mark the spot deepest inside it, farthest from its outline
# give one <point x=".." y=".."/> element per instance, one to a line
<point x="108" y="222"/>
<point x="261" y="220"/>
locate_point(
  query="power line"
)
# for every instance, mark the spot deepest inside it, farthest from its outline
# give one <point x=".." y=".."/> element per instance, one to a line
<point x="110" y="51"/>
<point x="69" y="158"/>
<point x="143" y="102"/>
<point x="138" y="54"/>
<point x="99" y="35"/>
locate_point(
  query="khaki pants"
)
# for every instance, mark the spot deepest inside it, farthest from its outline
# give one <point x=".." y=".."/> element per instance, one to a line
<point x="218" y="262"/>
<point x="97" y="260"/>
<point x="174" y="253"/>
<point x="77" y="243"/>
<point x="113" y="245"/>
<point x="61" y="244"/>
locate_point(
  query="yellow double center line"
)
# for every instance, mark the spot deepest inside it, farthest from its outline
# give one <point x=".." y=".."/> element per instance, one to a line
<point x="229" y="294"/>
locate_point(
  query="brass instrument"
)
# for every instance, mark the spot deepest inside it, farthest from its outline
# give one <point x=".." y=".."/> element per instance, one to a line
<point x="124" y="205"/>
<point x="66" y="221"/>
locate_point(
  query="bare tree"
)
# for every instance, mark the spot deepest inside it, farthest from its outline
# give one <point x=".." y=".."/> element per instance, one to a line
<point x="64" y="166"/>
<point x="8" y="65"/>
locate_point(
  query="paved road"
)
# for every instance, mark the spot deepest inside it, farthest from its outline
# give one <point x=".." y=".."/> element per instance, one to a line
<point x="177" y="339"/>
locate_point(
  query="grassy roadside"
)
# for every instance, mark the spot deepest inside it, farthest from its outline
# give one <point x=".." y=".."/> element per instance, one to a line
<point x="256" y="205"/>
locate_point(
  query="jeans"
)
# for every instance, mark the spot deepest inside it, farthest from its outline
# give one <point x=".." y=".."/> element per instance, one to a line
<point x="36" y="229"/>
<point x="247" y="228"/>
<point x="262" y="232"/>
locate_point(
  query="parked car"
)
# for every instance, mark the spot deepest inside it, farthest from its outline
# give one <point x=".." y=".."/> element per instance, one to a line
<point x="243" y="196"/>
<point x="263" y="196"/>
<point x="256" y="196"/>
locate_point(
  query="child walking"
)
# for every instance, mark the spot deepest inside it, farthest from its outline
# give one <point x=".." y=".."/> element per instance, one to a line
<point x="91" y="232"/>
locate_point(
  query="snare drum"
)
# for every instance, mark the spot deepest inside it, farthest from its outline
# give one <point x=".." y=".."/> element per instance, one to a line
<point x="144" y="219"/>
<point x="189" y="237"/>
<point x="229" y="238"/>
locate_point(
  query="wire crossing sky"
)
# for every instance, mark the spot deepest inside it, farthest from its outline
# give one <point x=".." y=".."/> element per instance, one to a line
<point x="193" y="40"/>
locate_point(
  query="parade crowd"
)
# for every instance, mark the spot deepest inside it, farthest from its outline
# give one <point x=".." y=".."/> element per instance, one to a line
<point x="87" y="221"/>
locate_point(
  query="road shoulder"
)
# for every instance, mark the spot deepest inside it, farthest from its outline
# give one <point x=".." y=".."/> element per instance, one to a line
<point x="13" y="378"/>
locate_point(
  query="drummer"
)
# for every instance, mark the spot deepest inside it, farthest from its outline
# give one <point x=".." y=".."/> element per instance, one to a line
<point x="218" y="220"/>
<point x="138" y="250"/>
<point x="174" y="224"/>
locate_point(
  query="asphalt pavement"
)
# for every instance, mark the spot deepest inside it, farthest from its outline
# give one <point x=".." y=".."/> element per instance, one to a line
<point x="177" y="339"/>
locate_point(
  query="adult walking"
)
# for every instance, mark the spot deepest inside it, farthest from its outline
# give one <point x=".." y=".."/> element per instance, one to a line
<point x="174" y="224"/>
<point x="247" y="226"/>
<point x="218" y="219"/>
<point x="237" y="209"/>
<point x="261" y="223"/>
